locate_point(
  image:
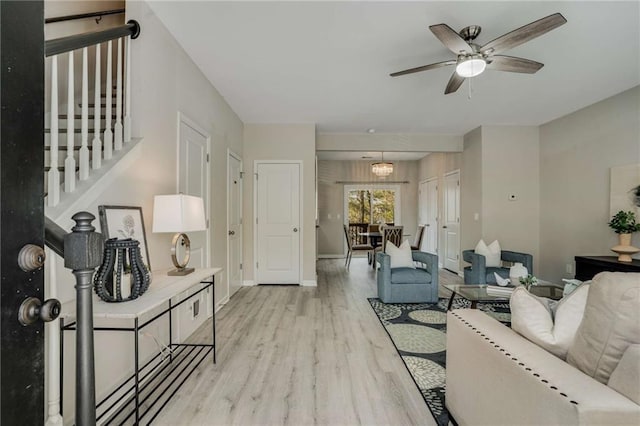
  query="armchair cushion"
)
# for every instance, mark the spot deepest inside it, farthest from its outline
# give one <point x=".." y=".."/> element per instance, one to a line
<point x="480" y="273"/>
<point x="410" y="276"/>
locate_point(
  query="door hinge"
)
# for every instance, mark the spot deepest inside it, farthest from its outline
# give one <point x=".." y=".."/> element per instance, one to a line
<point x="256" y="265"/>
<point x="256" y="176"/>
<point x="256" y="220"/>
<point x="240" y="221"/>
<point x="458" y="183"/>
<point x="207" y="158"/>
<point x="458" y="220"/>
<point x="241" y="175"/>
<point x="457" y="257"/>
<point x="241" y="266"/>
<point x="207" y="223"/>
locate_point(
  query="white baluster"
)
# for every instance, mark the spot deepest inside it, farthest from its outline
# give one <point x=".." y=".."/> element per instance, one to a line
<point x="96" y="149"/>
<point x="53" y="176"/>
<point x="70" y="162"/>
<point x="127" y="94"/>
<point x="84" y="149"/>
<point x="117" y="130"/>
<point x="108" y="134"/>
<point x="52" y="336"/>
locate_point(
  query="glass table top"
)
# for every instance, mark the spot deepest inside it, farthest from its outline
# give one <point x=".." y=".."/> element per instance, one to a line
<point x="478" y="292"/>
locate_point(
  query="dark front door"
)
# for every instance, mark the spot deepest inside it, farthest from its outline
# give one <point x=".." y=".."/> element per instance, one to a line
<point x="22" y="207"/>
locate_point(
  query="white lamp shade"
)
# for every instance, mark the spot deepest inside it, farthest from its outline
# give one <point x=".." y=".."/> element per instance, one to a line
<point x="178" y="213"/>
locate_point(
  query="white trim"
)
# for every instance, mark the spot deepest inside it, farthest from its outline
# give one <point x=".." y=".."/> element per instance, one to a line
<point x="182" y="118"/>
<point x="231" y="153"/>
<point x="300" y="216"/>
<point x="309" y="283"/>
<point x="248" y="283"/>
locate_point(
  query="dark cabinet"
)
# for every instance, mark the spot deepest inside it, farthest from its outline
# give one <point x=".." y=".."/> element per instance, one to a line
<point x="588" y="266"/>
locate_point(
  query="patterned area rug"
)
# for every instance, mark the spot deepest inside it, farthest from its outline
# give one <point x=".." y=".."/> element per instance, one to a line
<point x="418" y="331"/>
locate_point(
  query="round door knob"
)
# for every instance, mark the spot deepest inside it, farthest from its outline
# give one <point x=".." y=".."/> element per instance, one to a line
<point x="31" y="258"/>
<point x="32" y="310"/>
<point x="232" y="232"/>
<point x="295" y="229"/>
<point x="444" y="227"/>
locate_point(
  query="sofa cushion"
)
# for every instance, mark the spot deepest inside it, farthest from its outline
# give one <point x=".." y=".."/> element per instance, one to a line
<point x="491" y="252"/>
<point x="626" y="377"/>
<point x="532" y="317"/>
<point x="400" y="256"/>
<point x="611" y="323"/>
<point x="410" y="276"/>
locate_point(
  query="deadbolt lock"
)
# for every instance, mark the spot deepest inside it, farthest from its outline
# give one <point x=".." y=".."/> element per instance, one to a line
<point x="32" y="310"/>
<point x="31" y="258"/>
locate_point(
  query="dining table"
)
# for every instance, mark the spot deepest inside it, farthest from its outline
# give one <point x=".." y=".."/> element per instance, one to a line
<point x="376" y="241"/>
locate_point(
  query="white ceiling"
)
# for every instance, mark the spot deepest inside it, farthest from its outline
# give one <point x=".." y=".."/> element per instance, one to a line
<point x="370" y="156"/>
<point x="329" y="62"/>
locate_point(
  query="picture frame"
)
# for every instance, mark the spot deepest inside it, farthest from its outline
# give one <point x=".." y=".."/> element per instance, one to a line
<point x="125" y="222"/>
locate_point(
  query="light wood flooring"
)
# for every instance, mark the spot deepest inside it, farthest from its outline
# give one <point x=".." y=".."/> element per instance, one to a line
<point x="300" y="356"/>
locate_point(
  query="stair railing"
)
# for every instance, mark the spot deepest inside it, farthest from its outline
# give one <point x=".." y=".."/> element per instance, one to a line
<point x="103" y="144"/>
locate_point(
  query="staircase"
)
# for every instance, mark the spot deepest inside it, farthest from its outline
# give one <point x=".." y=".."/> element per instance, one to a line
<point x="88" y="130"/>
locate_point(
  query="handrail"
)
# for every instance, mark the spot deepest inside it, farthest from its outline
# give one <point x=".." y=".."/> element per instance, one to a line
<point x="78" y="41"/>
<point x="54" y="236"/>
<point x="84" y="16"/>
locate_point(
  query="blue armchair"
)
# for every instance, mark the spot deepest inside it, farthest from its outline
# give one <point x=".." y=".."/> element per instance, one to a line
<point x="407" y="285"/>
<point x="479" y="273"/>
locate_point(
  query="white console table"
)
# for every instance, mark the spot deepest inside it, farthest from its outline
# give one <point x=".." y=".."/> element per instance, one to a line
<point x="145" y="390"/>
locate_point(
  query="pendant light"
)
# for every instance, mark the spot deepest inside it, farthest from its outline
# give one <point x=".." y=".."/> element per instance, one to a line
<point x="382" y="168"/>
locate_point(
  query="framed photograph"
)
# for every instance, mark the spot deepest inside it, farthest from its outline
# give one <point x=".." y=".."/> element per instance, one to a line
<point x="124" y="222"/>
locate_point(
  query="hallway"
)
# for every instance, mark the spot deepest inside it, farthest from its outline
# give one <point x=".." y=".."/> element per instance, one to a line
<point x="301" y="355"/>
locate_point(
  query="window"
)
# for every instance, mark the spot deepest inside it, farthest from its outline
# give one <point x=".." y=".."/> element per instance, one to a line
<point x="370" y="204"/>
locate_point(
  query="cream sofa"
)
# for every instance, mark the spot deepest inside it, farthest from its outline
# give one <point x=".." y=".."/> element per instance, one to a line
<point x="497" y="377"/>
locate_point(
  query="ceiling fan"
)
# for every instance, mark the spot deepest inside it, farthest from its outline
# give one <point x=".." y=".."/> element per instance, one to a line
<point x="474" y="59"/>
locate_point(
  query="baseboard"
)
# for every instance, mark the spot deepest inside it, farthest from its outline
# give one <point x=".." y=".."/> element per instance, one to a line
<point x="248" y="283"/>
<point x="331" y="256"/>
<point x="309" y="283"/>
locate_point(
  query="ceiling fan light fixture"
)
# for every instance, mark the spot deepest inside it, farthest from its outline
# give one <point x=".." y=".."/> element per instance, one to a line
<point x="471" y="66"/>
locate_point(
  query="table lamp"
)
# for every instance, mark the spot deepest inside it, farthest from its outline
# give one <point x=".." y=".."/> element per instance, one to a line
<point x="179" y="213"/>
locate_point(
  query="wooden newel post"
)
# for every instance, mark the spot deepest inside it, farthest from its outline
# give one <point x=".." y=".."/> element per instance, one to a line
<point x="83" y="249"/>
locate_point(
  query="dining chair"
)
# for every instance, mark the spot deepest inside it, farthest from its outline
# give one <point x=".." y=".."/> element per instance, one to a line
<point x="354" y="247"/>
<point x="418" y="241"/>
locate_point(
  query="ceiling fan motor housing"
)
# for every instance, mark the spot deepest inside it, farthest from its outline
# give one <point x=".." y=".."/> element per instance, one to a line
<point x="470" y="33"/>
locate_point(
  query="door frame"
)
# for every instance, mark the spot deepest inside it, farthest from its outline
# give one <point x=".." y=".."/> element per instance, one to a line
<point x="426" y="181"/>
<point x="182" y="118"/>
<point x="452" y="172"/>
<point x="233" y="154"/>
<point x="256" y="163"/>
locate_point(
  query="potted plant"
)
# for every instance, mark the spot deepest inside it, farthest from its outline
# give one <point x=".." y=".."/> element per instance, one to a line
<point x="624" y="224"/>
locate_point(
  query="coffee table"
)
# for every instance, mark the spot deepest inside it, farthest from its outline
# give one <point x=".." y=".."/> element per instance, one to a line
<point x="478" y="293"/>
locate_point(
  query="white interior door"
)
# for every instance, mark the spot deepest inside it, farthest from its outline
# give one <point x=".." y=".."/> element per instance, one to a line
<point x="193" y="179"/>
<point x="234" y="218"/>
<point x="430" y="239"/>
<point x="278" y="223"/>
<point x="451" y="222"/>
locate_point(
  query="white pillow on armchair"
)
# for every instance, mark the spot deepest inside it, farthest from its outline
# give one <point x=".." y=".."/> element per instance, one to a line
<point x="400" y="256"/>
<point x="491" y="252"/>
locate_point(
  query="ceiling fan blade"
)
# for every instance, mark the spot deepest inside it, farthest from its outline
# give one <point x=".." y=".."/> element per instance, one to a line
<point x="450" y="38"/>
<point x="513" y="64"/>
<point x="524" y="34"/>
<point x="454" y="83"/>
<point x="423" y="68"/>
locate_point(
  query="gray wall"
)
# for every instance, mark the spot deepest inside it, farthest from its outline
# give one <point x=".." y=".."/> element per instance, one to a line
<point x="576" y="154"/>
<point x="331" y="198"/>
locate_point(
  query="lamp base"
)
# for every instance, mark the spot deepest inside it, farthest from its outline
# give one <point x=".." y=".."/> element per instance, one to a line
<point x="180" y="272"/>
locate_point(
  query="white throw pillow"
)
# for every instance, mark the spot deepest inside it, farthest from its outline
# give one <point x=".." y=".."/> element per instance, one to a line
<point x="400" y="256"/>
<point x="532" y="317"/>
<point x="490" y="252"/>
<point x="610" y="325"/>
